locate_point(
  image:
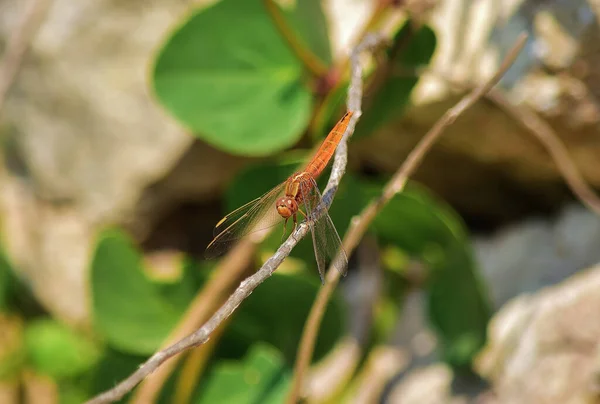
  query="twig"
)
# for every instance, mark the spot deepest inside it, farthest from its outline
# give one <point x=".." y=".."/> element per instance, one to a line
<point x="557" y="150"/>
<point x="19" y="43"/>
<point x="228" y="272"/>
<point x="360" y="223"/>
<point x="193" y="367"/>
<point x="544" y="133"/>
<point x="202" y="335"/>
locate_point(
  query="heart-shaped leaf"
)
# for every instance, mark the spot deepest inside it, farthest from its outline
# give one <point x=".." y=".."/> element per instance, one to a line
<point x="229" y="76"/>
<point x="129" y="310"/>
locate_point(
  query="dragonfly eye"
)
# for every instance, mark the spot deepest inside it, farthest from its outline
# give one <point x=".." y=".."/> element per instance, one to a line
<point x="286" y="207"/>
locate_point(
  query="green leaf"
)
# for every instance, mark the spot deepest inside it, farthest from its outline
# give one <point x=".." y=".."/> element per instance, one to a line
<point x="276" y="313"/>
<point x="227" y="74"/>
<point x="130" y="311"/>
<point x="6" y="282"/>
<point x="415" y="48"/>
<point x="57" y="351"/>
<point x="113" y="367"/>
<point x="459" y="308"/>
<point x="256" y="180"/>
<point x="260" y="378"/>
<point x="308" y="21"/>
<point x="73" y="393"/>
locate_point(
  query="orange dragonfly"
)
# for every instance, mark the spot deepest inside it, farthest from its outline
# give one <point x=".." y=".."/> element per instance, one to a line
<point x="286" y="201"/>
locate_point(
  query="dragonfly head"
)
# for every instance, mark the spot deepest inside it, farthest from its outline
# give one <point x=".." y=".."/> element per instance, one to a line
<point x="286" y="206"/>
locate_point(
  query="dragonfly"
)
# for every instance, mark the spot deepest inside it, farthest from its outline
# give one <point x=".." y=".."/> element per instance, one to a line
<point x="298" y="195"/>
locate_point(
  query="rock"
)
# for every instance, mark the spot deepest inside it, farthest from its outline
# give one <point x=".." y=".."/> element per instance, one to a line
<point x="429" y="385"/>
<point x="535" y="253"/>
<point x="544" y="348"/>
<point x="486" y="164"/>
<point x="545" y="334"/>
<point x="85" y="138"/>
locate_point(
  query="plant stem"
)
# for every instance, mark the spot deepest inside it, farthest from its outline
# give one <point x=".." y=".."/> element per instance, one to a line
<point x="360" y="224"/>
<point x="312" y="63"/>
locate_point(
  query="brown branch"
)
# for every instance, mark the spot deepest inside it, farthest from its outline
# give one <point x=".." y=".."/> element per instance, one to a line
<point x="544" y="133"/>
<point x="229" y="270"/>
<point x="202" y="334"/>
<point x="19" y="43"/>
<point x="360" y="223"/>
<point x="557" y="150"/>
<point x="244" y="290"/>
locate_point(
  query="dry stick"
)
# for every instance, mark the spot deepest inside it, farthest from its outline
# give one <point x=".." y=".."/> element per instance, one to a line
<point x="18" y="44"/>
<point x="204" y="304"/>
<point x="202" y="335"/>
<point x="360" y="223"/>
<point x="557" y="150"/>
<point x="549" y="139"/>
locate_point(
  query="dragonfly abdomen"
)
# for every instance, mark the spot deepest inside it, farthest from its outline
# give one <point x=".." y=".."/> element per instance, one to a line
<point x="318" y="163"/>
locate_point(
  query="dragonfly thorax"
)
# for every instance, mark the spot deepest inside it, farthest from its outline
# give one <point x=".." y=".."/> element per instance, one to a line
<point x="286" y="206"/>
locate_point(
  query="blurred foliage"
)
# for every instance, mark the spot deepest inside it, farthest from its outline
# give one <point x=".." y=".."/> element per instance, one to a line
<point x="276" y="315"/>
<point x="57" y="351"/>
<point x="6" y="282"/>
<point x="228" y="74"/>
<point x="129" y="310"/>
<point x="411" y="48"/>
<point x="135" y="315"/>
<point x="426" y="228"/>
<point x="261" y="377"/>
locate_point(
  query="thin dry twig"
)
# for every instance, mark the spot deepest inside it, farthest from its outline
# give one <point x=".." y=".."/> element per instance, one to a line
<point x="229" y="270"/>
<point x="244" y="290"/>
<point x="537" y="126"/>
<point x="19" y="43"/>
<point x="555" y="147"/>
<point x="360" y="223"/>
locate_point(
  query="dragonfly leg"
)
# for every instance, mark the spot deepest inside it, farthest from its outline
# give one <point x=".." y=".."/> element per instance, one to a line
<point x="284" y="226"/>
<point x="295" y="219"/>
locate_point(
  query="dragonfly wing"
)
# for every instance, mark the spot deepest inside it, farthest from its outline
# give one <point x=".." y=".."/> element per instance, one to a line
<point x="256" y="215"/>
<point x="326" y="241"/>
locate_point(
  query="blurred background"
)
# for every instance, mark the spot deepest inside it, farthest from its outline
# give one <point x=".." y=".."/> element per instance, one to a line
<point x="129" y="128"/>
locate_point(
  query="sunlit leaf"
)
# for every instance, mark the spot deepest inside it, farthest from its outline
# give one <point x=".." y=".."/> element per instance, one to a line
<point x="227" y="74"/>
<point x="56" y="350"/>
<point x="260" y="378"/>
<point x="129" y="310"/>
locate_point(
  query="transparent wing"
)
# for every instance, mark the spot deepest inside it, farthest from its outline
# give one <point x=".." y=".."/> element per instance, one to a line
<point x="256" y="215"/>
<point x="326" y="241"/>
